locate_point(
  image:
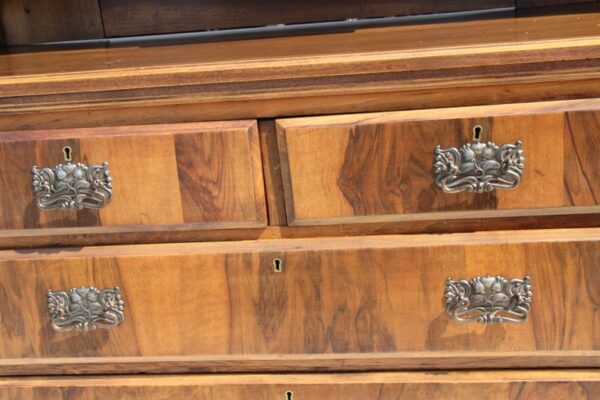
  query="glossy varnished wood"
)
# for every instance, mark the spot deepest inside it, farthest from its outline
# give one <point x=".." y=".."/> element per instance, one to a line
<point x="348" y="303"/>
<point x="502" y="385"/>
<point x="205" y="174"/>
<point x="87" y="236"/>
<point x="546" y="57"/>
<point x="378" y="167"/>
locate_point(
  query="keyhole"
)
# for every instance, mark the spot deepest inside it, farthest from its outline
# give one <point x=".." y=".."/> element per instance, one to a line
<point x="277" y="265"/>
<point x="477" y="131"/>
<point x="289" y="395"/>
<point x="68" y="153"/>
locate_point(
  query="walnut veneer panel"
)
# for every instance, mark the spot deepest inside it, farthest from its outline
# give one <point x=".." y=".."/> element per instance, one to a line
<point x="205" y="174"/>
<point x="379" y="167"/>
<point x="501" y="385"/>
<point x="372" y="302"/>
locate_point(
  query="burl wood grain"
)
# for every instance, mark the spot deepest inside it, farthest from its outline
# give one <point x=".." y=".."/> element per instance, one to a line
<point x="501" y="385"/>
<point x="207" y="174"/>
<point x="378" y="167"/>
<point x="343" y="303"/>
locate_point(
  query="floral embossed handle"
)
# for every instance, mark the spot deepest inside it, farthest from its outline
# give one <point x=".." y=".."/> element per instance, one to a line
<point x="85" y="309"/>
<point x="72" y="187"/>
<point x="478" y="167"/>
<point x="489" y="299"/>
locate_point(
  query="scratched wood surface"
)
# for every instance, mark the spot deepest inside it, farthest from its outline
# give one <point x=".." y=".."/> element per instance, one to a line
<point x="500" y="385"/>
<point x="338" y="303"/>
<point x="208" y="174"/>
<point x="378" y="167"/>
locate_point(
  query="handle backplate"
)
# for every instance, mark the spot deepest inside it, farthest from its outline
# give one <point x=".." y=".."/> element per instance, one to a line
<point x="85" y="309"/>
<point x="72" y="187"/>
<point x="489" y="299"/>
<point x="478" y="167"/>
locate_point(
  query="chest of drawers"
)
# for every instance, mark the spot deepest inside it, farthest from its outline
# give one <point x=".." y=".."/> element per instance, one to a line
<point x="354" y="217"/>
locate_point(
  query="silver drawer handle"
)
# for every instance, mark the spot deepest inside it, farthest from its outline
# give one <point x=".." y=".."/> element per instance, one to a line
<point x="85" y="309"/>
<point x="489" y="299"/>
<point x="478" y="167"/>
<point x="72" y="187"/>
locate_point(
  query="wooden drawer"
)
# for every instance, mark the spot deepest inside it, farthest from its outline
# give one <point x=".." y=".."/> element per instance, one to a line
<point x="502" y="385"/>
<point x="379" y="167"/>
<point x="178" y="176"/>
<point x="300" y="304"/>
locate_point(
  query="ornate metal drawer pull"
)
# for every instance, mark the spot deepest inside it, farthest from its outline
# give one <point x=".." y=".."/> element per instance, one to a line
<point x="85" y="309"/>
<point x="72" y="186"/>
<point x="478" y="167"/>
<point x="489" y="299"/>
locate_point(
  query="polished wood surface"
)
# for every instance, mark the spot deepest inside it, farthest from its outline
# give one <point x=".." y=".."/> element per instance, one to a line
<point x="378" y="167"/>
<point x="88" y="236"/>
<point x="337" y="303"/>
<point x="206" y="174"/>
<point x="370" y="69"/>
<point x="500" y="385"/>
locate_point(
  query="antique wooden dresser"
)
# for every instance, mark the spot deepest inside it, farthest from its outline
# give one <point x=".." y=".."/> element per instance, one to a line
<point x="393" y="212"/>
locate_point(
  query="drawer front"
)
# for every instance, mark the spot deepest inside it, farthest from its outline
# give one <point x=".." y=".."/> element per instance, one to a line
<point x="380" y="167"/>
<point x="502" y="385"/>
<point x="206" y="175"/>
<point x="303" y="303"/>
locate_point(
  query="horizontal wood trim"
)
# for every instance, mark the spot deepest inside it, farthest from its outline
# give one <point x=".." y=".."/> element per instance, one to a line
<point x="313" y="66"/>
<point x="525" y="50"/>
<point x="482" y="93"/>
<point x="436" y="216"/>
<point x="430" y="68"/>
<point x="301" y="363"/>
<point x="189" y="233"/>
<point x="542" y="107"/>
<point x="474" y="385"/>
<point x="141" y="130"/>
<point x="315" y="244"/>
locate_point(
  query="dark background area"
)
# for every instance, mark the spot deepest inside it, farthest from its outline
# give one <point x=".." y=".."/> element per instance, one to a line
<point x="26" y="22"/>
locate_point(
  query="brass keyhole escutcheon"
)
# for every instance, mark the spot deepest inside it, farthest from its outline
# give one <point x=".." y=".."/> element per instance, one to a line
<point x="289" y="395"/>
<point x="277" y="265"/>
<point x="68" y="153"/>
